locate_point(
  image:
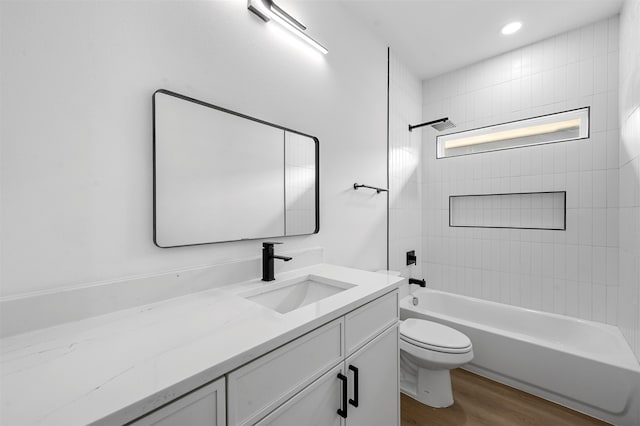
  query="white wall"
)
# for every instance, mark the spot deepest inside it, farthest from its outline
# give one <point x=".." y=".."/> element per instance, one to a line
<point x="75" y="96"/>
<point x="629" y="296"/>
<point x="572" y="272"/>
<point x="405" y="174"/>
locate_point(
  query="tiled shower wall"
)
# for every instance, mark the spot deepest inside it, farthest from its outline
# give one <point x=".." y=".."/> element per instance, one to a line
<point x="405" y="222"/>
<point x="572" y="272"/>
<point x="629" y="312"/>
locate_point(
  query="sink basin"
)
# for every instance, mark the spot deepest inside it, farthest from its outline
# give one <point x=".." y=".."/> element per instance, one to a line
<point x="293" y="294"/>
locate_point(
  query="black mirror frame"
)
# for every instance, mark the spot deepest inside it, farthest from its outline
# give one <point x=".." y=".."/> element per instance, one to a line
<point x="228" y="111"/>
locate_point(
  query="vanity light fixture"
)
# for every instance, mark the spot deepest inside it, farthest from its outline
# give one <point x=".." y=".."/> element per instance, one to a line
<point x="267" y="10"/>
<point x="511" y="28"/>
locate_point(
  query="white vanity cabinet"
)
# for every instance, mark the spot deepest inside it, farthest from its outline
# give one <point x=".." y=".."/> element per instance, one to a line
<point x="348" y="365"/>
<point x="343" y="373"/>
<point x="372" y="393"/>
<point x="203" y="407"/>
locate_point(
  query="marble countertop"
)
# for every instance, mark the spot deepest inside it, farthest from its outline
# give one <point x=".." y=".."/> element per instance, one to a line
<point x="113" y="368"/>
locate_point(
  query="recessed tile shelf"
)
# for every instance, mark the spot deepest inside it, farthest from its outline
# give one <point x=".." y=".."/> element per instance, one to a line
<point x="521" y="210"/>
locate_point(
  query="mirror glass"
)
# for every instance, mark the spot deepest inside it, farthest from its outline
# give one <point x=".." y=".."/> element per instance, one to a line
<point x="223" y="176"/>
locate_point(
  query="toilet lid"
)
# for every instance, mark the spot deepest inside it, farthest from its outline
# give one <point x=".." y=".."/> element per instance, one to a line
<point x="431" y="335"/>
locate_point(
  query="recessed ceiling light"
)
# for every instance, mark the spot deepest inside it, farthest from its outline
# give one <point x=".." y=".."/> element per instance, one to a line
<point x="511" y="28"/>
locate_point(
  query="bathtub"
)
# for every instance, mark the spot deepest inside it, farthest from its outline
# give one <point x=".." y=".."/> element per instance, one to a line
<point x="583" y="365"/>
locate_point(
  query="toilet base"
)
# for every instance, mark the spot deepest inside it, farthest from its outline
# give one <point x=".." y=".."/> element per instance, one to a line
<point x="434" y="388"/>
<point x="430" y="387"/>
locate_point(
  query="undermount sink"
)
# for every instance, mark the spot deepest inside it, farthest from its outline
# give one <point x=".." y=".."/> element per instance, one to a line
<point x="293" y="294"/>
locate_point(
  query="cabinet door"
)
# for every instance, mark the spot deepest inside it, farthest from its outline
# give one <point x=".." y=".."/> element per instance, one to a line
<point x="316" y="405"/>
<point x="203" y="407"/>
<point x="377" y="385"/>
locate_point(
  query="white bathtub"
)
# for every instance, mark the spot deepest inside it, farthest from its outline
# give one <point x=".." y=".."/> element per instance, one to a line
<point x="584" y="365"/>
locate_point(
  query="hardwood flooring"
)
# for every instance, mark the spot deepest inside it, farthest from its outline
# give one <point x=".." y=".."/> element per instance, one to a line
<point x="480" y="401"/>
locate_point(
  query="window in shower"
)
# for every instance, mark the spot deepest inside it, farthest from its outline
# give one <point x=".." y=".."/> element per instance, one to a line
<point x="557" y="127"/>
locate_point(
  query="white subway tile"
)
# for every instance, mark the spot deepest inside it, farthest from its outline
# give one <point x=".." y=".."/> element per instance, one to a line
<point x="614" y="29"/>
<point x="516" y="95"/>
<point x="572" y="258"/>
<point x="559" y="295"/>
<point x="536" y="58"/>
<point x="585" y="226"/>
<point x="586" y="41"/>
<point x="612" y="227"/>
<point x="573" y="80"/>
<point x="600" y="76"/>
<point x="536" y="90"/>
<point x="561" y="43"/>
<point x="560" y="83"/>
<point x="573" y="155"/>
<point x="586" y="77"/>
<point x="612" y="266"/>
<point x="612" y="141"/>
<point x="599" y="265"/>
<point x="559" y="261"/>
<point x="572" y="226"/>
<point x="599" y="303"/>
<point x="548" y="87"/>
<point x="547" y="294"/>
<point x="601" y="37"/>
<point x="612" y="70"/>
<point x="571" y="298"/>
<point x="586" y="189"/>
<point x="559" y="158"/>
<point x="536" y="292"/>
<point x="599" y="227"/>
<point x="599" y="188"/>
<point x="599" y="148"/>
<point x="612" y="111"/>
<point x="584" y="301"/>
<point x="599" y="112"/>
<point x="612" y="306"/>
<point x="516" y="64"/>
<point x="548" y="54"/>
<point x="573" y="46"/>
<point x="547" y="159"/>
<point x="585" y="264"/>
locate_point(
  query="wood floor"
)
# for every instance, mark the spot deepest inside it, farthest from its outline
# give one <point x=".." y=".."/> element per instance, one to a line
<point x="480" y="401"/>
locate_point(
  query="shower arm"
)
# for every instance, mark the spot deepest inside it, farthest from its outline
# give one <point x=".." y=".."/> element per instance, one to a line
<point x="428" y="123"/>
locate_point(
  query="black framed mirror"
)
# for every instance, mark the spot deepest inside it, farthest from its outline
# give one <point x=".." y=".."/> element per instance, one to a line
<point x="220" y="176"/>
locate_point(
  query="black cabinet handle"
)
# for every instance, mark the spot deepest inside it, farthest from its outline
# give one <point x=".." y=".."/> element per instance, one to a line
<point x="343" y="411"/>
<point x="354" y="401"/>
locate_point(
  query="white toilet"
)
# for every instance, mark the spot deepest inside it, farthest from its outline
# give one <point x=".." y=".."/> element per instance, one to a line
<point x="428" y="351"/>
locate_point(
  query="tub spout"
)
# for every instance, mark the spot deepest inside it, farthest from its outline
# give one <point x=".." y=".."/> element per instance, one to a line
<point x="421" y="283"/>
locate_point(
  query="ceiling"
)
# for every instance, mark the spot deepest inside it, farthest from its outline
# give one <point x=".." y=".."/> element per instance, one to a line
<point x="436" y="36"/>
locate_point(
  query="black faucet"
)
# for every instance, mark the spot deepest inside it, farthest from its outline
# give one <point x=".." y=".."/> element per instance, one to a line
<point x="267" y="261"/>
<point x="421" y="283"/>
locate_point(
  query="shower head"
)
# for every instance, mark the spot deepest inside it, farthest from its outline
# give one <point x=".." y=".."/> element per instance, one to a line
<point x="440" y="124"/>
<point x="443" y="125"/>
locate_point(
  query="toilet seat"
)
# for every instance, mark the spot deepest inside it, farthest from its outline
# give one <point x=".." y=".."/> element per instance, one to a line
<point x="433" y="336"/>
